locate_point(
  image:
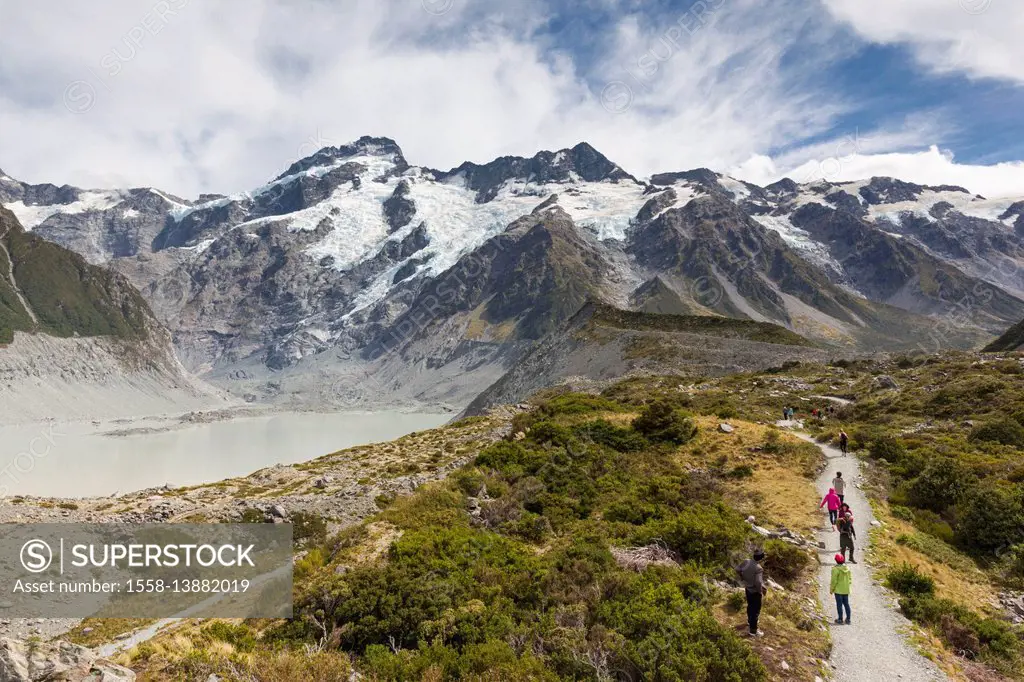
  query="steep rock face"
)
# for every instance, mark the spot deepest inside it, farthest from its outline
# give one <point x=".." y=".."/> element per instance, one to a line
<point x="78" y="341"/>
<point x="47" y="288"/>
<point x="899" y="272"/>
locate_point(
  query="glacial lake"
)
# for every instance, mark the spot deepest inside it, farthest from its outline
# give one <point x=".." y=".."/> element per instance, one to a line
<point x="73" y="460"/>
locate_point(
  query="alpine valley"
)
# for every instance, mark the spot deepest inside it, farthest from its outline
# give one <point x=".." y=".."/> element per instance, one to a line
<point x="356" y="279"/>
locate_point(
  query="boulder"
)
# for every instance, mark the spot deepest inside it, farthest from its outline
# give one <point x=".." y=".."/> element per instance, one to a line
<point x="277" y="511"/>
<point x="885" y="381"/>
<point x="726" y="428"/>
<point x="22" y="661"/>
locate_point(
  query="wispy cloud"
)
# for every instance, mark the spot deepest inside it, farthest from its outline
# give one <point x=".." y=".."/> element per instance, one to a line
<point x="194" y="97"/>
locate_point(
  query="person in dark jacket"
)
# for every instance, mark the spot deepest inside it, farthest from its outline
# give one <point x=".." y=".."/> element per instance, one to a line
<point x="847" y="534"/>
<point x="844" y="441"/>
<point x="752" y="574"/>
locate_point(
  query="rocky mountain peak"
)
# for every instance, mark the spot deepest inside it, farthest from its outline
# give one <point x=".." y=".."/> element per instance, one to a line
<point x="366" y="145"/>
<point x="580" y="163"/>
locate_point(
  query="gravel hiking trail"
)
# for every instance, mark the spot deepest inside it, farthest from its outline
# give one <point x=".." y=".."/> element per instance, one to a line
<point x="872" y="647"/>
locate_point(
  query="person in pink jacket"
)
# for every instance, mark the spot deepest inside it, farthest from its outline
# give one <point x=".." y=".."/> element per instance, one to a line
<point x="832" y="500"/>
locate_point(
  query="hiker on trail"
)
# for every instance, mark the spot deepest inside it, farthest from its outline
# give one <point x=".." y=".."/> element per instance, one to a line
<point x="844" y="509"/>
<point x="844" y="441"/>
<point x="840" y="587"/>
<point x="839" y="485"/>
<point x="833" y="502"/>
<point x="752" y="574"/>
<point x="847" y="534"/>
<point x="785" y="413"/>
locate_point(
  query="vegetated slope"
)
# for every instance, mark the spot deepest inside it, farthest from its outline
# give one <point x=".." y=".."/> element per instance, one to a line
<point x="587" y="546"/>
<point x="1011" y="339"/>
<point x="601" y="343"/>
<point x="77" y="340"/>
<point x="942" y="438"/>
<point x="49" y="289"/>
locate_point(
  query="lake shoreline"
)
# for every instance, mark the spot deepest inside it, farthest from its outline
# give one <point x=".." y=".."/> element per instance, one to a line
<point x="95" y="458"/>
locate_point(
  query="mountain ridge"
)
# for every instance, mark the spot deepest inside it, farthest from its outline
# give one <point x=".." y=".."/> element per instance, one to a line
<point x="352" y="259"/>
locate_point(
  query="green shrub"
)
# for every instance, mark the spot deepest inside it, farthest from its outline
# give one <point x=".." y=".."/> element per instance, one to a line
<point x="605" y="433"/>
<point x="907" y="580"/>
<point x="308" y="528"/>
<point x="735" y="601"/>
<point x="741" y="471"/>
<point x="705" y="534"/>
<point x="1003" y="431"/>
<point x="989" y="518"/>
<point x="902" y="513"/>
<point x="578" y="403"/>
<point x="512" y="459"/>
<point x="887" y="448"/>
<point x="239" y="636"/>
<point x="942" y="484"/>
<point x="664" y="636"/>
<point x="252" y="515"/>
<point x="932" y="524"/>
<point x="784" y="562"/>
<point x="660" y="421"/>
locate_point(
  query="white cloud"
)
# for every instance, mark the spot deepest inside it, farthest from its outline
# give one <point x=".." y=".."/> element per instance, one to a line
<point x="227" y="94"/>
<point x="219" y="97"/>
<point x="981" y="38"/>
<point x="931" y="167"/>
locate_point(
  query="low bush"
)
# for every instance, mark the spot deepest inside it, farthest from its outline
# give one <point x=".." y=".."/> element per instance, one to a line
<point x="784" y="562"/>
<point x="308" y="528"/>
<point x="705" y="534"/>
<point x="941" y="484"/>
<point x="989" y="518"/>
<point x="907" y="580"/>
<point x="1003" y="431"/>
<point x="617" y="438"/>
<point x="887" y="448"/>
<point x="660" y="421"/>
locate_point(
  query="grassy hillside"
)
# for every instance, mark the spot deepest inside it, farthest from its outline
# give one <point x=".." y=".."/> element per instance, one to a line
<point x="595" y="541"/>
<point x="707" y="325"/>
<point x="1012" y="339"/>
<point x="68" y="296"/>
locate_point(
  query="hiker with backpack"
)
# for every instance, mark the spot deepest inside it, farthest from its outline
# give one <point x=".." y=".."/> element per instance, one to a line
<point x="847" y="534"/>
<point x="840" y="587"/>
<point x="752" y="574"/>
<point x="844" y="441"/>
<point x="833" y="502"/>
<point x="839" y="485"/>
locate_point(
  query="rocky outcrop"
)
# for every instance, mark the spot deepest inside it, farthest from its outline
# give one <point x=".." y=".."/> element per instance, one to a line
<point x="22" y="661"/>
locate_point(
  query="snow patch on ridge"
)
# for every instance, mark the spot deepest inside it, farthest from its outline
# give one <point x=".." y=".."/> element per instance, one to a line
<point x="799" y="239"/>
<point x="32" y="216"/>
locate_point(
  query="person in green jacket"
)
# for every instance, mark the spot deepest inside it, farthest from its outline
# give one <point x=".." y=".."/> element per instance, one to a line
<point x="840" y="587"/>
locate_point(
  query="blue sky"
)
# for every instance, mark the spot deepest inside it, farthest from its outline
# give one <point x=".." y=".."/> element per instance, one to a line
<point x="219" y="97"/>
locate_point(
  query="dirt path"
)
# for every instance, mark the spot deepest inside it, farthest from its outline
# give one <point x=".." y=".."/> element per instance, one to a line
<point x="872" y="648"/>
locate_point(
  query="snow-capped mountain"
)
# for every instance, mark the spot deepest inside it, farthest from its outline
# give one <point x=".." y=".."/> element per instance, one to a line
<point x="353" y="260"/>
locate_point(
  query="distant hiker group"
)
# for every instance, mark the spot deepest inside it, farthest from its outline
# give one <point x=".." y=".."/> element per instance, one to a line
<point x="841" y="518"/>
<point x="839" y="515"/>
<point x="789" y="413"/>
